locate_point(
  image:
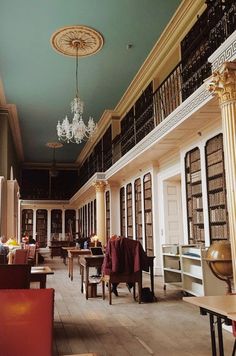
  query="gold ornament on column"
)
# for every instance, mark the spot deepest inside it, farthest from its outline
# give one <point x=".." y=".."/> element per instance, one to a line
<point x="99" y="186"/>
<point x="223" y="82"/>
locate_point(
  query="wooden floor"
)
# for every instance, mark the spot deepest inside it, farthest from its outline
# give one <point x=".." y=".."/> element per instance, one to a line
<point x="167" y="327"/>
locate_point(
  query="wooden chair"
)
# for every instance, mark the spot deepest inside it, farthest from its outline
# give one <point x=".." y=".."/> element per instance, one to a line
<point x="124" y="261"/>
<point x="3" y="259"/>
<point x="26" y="322"/>
<point x="15" y="276"/>
<point x="135" y="277"/>
<point x="21" y="256"/>
<point x="31" y="254"/>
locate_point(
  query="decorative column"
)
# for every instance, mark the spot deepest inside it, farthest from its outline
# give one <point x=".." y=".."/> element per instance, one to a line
<point x="223" y="84"/>
<point x="114" y="208"/>
<point x="49" y="228"/>
<point x="100" y="211"/>
<point x="34" y="223"/>
<point x="63" y="234"/>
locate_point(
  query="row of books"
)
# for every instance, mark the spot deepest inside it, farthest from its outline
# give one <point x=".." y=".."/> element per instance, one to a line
<point x="214" y="144"/>
<point x="219" y="231"/>
<point x="215" y="183"/>
<point x="218" y="214"/>
<point x="217" y="198"/>
<point x="214" y="157"/>
<point x="215" y="169"/>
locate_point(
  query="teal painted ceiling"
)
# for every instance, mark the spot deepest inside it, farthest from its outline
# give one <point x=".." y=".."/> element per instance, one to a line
<point x="42" y="83"/>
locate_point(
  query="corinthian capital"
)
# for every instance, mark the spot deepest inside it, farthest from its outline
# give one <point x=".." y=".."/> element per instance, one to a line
<point x="99" y="185"/>
<point x="223" y="82"/>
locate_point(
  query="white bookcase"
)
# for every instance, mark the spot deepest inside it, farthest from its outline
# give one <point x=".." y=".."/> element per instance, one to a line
<point x="171" y="265"/>
<point x="185" y="266"/>
<point x="197" y="277"/>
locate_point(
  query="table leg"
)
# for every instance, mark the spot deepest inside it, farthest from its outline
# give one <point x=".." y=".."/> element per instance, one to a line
<point x="43" y="281"/>
<point x="36" y="258"/>
<point x="71" y="268"/>
<point x="220" y="336"/>
<point x="82" y="278"/>
<point x="152" y="278"/>
<point x="213" y="336"/>
<point x="87" y="280"/>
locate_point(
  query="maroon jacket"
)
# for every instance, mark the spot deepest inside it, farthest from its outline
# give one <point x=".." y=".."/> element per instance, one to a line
<point x="124" y="255"/>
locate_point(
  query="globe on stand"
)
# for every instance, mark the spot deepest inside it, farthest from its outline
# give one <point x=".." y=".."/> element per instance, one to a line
<point x="219" y="260"/>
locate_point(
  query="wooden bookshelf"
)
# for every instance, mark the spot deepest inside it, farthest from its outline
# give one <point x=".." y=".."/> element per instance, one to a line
<point x="122" y="212"/>
<point x="89" y="220"/>
<point x="108" y="217"/>
<point x="70" y="217"/>
<point x="138" y="210"/>
<point x="95" y="215"/>
<point x="56" y="224"/>
<point x="92" y="218"/>
<point x="217" y="204"/>
<point x="27" y="221"/>
<point x="41" y="227"/>
<point x="194" y="197"/>
<point x="147" y="195"/>
<point x="129" y="211"/>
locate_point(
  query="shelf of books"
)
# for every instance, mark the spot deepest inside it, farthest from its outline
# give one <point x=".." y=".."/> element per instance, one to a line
<point x="138" y="210"/>
<point x="129" y="211"/>
<point x="217" y="204"/>
<point x="194" y="197"/>
<point x="147" y="194"/>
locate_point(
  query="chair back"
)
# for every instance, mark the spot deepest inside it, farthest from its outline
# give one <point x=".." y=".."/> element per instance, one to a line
<point x="15" y="276"/>
<point x="21" y="257"/>
<point x="26" y="322"/>
<point x="31" y="254"/>
<point x="3" y="259"/>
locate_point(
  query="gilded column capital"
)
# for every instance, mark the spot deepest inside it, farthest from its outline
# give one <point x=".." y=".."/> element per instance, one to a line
<point x="99" y="186"/>
<point x="223" y="82"/>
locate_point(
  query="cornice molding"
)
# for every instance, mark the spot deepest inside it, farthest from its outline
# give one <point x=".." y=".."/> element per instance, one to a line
<point x="2" y="94"/>
<point x="226" y="52"/>
<point x="13" y="122"/>
<point x="11" y="111"/>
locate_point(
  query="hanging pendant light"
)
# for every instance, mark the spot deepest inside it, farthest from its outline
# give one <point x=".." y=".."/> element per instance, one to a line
<point x="76" y="41"/>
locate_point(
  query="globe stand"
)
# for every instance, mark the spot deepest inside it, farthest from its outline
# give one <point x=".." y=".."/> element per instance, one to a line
<point x="226" y="279"/>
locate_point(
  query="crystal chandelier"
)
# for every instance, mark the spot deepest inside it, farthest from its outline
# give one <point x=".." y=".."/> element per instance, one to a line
<point x="76" y="131"/>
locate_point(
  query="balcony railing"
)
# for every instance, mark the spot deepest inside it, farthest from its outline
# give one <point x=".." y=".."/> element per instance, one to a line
<point x="211" y="29"/>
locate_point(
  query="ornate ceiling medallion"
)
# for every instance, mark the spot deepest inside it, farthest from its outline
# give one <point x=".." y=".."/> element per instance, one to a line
<point x="67" y="39"/>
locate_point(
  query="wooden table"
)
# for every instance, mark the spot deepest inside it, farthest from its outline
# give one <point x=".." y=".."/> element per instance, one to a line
<point x="64" y="252"/>
<point x="86" y="262"/>
<point x="219" y="308"/>
<point x="39" y="274"/>
<point x="74" y="252"/>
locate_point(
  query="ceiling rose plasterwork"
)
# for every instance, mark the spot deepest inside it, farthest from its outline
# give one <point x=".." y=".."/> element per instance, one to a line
<point x="68" y="39"/>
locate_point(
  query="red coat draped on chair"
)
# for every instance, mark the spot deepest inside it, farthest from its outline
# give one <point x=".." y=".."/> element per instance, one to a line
<point x="124" y="255"/>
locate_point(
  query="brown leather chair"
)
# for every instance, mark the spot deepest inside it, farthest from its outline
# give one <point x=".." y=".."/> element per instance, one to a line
<point x="26" y="322"/>
<point x="15" y="276"/>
